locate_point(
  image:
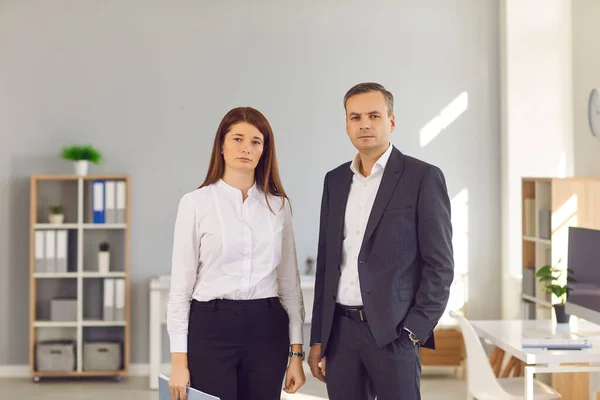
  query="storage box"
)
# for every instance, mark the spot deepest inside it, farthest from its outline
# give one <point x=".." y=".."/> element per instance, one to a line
<point x="63" y="309"/>
<point x="102" y="356"/>
<point x="55" y="356"/>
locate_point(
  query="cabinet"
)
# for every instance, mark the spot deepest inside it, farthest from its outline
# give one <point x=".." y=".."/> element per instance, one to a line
<point x="76" y="299"/>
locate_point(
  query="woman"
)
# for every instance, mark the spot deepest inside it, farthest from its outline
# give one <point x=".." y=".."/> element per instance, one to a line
<point x="235" y="304"/>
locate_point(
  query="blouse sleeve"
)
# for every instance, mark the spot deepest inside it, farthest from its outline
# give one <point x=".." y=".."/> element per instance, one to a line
<point x="184" y="268"/>
<point x="288" y="278"/>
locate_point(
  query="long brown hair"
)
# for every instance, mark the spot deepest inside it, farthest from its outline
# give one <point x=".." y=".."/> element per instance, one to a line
<point x="266" y="173"/>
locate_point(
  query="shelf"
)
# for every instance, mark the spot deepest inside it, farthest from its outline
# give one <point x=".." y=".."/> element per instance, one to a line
<point x="54" y="275"/>
<point x="104" y="226"/>
<point x="74" y="324"/>
<point x="537" y="240"/>
<point x="76" y="226"/>
<point x="57" y="275"/>
<point x="75" y="373"/>
<point x="56" y="226"/>
<point x="73" y="177"/>
<point x="93" y="323"/>
<point x="108" y="275"/>
<point x="55" y="324"/>
<point x="63" y="177"/>
<point x="541" y="303"/>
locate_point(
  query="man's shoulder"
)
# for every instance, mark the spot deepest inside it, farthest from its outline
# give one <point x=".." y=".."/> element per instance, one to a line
<point x="340" y="170"/>
<point x="416" y="164"/>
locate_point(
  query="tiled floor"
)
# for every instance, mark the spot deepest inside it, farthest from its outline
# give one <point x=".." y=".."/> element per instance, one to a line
<point x="135" y="388"/>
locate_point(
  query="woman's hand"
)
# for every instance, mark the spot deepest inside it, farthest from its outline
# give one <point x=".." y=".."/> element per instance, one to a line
<point x="294" y="376"/>
<point x="180" y="376"/>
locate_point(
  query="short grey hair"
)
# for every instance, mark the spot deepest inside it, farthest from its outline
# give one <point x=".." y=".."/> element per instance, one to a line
<point x="367" y="87"/>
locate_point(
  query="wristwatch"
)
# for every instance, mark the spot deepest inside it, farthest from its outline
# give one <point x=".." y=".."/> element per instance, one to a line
<point x="300" y="354"/>
<point x="413" y="338"/>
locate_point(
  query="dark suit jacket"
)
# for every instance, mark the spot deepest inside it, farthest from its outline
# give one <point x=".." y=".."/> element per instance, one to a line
<point x="405" y="264"/>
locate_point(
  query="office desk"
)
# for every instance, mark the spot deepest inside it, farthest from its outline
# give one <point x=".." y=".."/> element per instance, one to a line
<point x="159" y="295"/>
<point x="507" y="334"/>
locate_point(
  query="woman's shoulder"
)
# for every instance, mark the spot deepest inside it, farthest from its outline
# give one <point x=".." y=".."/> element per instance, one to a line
<point x="197" y="196"/>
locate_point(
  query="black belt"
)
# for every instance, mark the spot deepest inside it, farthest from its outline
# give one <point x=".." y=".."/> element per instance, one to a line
<point x="353" y="312"/>
<point x="227" y="304"/>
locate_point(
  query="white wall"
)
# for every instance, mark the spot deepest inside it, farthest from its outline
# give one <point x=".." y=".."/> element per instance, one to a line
<point x="537" y="116"/>
<point x="586" y="75"/>
<point x="147" y="82"/>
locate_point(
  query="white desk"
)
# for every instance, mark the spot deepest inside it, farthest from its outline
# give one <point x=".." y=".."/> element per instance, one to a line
<point x="507" y="334"/>
<point x="159" y="295"/>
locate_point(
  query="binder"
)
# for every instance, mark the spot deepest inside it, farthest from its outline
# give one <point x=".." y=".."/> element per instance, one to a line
<point x="110" y="216"/>
<point x="192" y="394"/>
<point x="61" y="251"/>
<point x="98" y="201"/>
<point x="544" y="224"/>
<point x="529" y="208"/>
<point x="121" y="202"/>
<point x="120" y="299"/>
<point x="109" y="299"/>
<point x="40" y="254"/>
<point x="50" y="245"/>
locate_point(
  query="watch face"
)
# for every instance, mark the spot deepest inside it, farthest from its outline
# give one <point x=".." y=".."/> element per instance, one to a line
<point x="594" y="112"/>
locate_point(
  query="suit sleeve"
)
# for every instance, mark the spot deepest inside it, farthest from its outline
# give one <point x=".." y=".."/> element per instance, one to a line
<point x="434" y="230"/>
<point x="317" y="315"/>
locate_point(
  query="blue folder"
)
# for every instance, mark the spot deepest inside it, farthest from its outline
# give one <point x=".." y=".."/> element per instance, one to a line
<point x="192" y="394"/>
<point x="98" y="201"/>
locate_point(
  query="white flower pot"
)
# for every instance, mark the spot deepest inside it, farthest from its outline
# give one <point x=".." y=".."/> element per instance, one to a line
<point x="81" y="167"/>
<point x="56" y="218"/>
<point x="103" y="262"/>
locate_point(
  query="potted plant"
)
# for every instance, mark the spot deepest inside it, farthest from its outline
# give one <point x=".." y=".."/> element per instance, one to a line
<point x="103" y="258"/>
<point x="82" y="156"/>
<point x="550" y="277"/>
<point x="56" y="215"/>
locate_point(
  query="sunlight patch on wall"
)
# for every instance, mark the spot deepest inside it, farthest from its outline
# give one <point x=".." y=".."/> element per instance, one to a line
<point x="443" y="120"/>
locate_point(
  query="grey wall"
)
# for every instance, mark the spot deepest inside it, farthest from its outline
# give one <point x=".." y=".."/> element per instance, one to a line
<point x="586" y="76"/>
<point x="147" y="82"/>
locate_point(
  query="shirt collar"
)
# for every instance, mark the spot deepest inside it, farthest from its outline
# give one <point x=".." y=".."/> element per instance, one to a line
<point x="235" y="191"/>
<point x="379" y="164"/>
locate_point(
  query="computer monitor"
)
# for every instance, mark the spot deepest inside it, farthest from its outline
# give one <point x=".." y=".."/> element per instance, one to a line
<point x="583" y="274"/>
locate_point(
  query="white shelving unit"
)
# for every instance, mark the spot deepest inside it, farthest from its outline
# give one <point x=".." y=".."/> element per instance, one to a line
<point x="550" y="207"/>
<point x="74" y="192"/>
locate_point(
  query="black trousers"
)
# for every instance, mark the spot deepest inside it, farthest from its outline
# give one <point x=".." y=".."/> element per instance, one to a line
<point x="357" y="369"/>
<point x="238" y="349"/>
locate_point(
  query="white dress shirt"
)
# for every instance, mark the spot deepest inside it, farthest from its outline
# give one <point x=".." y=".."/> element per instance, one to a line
<point x="225" y="247"/>
<point x="358" y="208"/>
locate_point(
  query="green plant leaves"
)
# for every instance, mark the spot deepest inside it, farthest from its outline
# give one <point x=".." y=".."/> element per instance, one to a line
<point x="548" y="276"/>
<point x="79" y="153"/>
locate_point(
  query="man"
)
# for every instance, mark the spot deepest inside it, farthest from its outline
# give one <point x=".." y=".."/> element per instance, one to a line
<point x="384" y="263"/>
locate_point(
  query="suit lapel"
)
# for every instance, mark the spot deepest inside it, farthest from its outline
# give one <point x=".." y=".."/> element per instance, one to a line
<point x="389" y="180"/>
<point x="339" y="203"/>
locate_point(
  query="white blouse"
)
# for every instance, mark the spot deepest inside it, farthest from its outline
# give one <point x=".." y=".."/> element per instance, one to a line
<point x="227" y="248"/>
